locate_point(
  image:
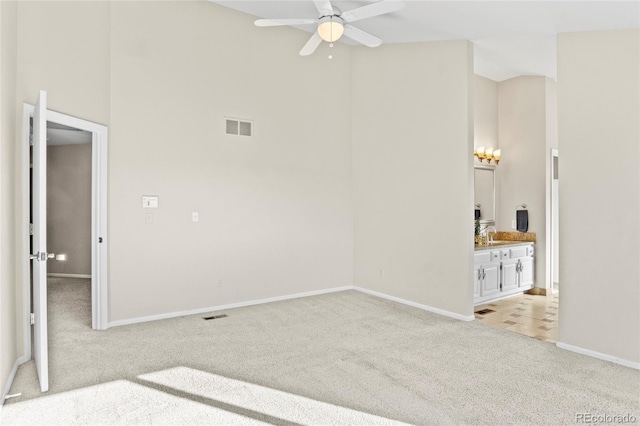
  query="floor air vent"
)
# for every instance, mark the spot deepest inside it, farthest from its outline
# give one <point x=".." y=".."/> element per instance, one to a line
<point x="214" y="317"/>
<point x="484" y="311"/>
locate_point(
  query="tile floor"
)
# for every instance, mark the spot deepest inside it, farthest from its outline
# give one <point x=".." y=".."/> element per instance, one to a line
<point x="533" y="316"/>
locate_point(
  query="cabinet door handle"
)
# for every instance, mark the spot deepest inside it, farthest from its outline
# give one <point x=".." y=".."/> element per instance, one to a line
<point x="479" y="274"/>
<point x="484" y="274"/>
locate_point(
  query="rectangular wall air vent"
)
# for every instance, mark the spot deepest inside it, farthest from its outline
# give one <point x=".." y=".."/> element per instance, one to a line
<point x="238" y="127"/>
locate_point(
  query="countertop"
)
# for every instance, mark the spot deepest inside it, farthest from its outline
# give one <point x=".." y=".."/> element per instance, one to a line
<point x="501" y="244"/>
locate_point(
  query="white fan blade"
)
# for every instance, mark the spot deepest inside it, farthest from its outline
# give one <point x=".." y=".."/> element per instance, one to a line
<point x="324" y="7"/>
<point x="278" y="22"/>
<point x="371" y="10"/>
<point x="311" y="45"/>
<point x="361" y="37"/>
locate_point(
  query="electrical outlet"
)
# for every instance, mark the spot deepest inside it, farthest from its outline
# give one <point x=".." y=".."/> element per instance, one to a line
<point x="194" y="216"/>
<point x="219" y="282"/>
<point x="513" y="224"/>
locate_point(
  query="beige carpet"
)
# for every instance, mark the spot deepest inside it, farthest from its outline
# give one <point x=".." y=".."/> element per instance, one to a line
<point x="341" y="358"/>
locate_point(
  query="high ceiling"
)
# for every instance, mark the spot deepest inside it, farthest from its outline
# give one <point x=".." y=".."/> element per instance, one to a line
<point x="511" y="37"/>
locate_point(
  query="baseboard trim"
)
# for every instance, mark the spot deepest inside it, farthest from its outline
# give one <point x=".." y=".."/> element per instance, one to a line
<point x="56" y="275"/>
<point x="225" y="307"/>
<point x="418" y="305"/>
<point x="12" y="375"/>
<point x="428" y="308"/>
<point x="599" y="355"/>
<point x="496" y="299"/>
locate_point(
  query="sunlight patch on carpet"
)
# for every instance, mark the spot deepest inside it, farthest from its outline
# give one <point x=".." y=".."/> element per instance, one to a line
<point x="259" y="399"/>
<point x="118" y="402"/>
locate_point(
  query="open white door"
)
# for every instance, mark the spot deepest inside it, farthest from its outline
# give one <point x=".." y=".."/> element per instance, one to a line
<point x="40" y="256"/>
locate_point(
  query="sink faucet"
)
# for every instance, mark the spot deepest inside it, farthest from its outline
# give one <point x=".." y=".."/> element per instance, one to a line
<point x="486" y="231"/>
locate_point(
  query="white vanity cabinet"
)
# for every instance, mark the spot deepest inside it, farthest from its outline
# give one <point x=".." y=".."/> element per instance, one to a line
<point x="487" y="279"/>
<point x="526" y="272"/>
<point x="486" y="274"/>
<point x="524" y="265"/>
<point x="502" y="271"/>
<point x="510" y="270"/>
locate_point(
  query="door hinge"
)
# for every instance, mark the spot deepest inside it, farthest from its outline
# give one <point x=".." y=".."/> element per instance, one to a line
<point x="33" y="318"/>
<point x="31" y="229"/>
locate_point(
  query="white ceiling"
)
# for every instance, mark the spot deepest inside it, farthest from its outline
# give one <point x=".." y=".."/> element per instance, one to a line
<point x="511" y="37"/>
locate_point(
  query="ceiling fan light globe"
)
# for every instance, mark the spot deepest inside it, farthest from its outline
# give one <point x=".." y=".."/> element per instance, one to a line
<point x="331" y="28"/>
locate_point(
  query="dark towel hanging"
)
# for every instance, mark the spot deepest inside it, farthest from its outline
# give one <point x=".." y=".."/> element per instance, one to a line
<point x="477" y="214"/>
<point x="522" y="220"/>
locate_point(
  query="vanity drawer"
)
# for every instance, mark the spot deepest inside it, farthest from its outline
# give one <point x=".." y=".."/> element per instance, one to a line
<point x="482" y="257"/>
<point x="495" y="256"/>
<point x="519" y="252"/>
<point x="504" y="254"/>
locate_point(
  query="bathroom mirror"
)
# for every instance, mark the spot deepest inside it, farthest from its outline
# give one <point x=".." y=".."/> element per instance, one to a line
<point x="485" y="194"/>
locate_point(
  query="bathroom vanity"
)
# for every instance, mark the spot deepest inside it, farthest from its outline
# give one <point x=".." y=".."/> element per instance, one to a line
<point x="502" y="268"/>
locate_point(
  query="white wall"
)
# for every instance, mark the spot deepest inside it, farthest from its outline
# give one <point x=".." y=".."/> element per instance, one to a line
<point x="275" y="212"/>
<point x="551" y="235"/>
<point x="413" y="174"/>
<point x="8" y="315"/>
<point x="485" y="113"/>
<point x="599" y="137"/>
<point x="526" y="128"/>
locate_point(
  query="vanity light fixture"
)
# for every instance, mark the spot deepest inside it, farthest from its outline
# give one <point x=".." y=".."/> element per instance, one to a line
<point x="487" y="154"/>
<point x="496" y="155"/>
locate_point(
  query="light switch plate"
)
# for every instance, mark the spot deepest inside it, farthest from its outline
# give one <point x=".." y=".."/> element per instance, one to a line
<point x="149" y="201"/>
<point x="194" y="216"/>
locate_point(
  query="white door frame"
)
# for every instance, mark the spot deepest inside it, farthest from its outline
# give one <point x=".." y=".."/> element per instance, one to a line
<point x="99" y="211"/>
<point x="552" y="200"/>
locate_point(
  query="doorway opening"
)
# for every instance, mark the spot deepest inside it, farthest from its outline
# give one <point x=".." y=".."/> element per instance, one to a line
<point x="68" y="226"/>
<point x="534" y="315"/>
<point x="81" y="262"/>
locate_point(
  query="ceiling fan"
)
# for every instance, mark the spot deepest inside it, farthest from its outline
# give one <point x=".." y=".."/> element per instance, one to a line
<point x="333" y="24"/>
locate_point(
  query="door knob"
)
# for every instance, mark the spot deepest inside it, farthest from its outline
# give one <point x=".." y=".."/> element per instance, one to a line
<point x="42" y="256"/>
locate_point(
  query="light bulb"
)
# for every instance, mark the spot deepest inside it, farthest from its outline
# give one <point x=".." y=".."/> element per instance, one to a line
<point x="496" y="155"/>
<point x="330" y="28"/>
